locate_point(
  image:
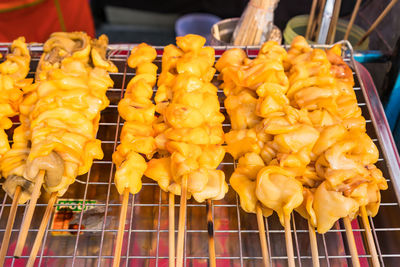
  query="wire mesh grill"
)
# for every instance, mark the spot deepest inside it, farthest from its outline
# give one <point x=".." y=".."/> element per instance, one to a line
<point x="90" y="240"/>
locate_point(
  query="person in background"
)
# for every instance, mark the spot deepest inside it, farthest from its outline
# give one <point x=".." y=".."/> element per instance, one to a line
<point x="37" y="19"/>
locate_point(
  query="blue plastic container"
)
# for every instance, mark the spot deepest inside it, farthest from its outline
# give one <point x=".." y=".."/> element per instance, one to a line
<point x="196" y="23"/>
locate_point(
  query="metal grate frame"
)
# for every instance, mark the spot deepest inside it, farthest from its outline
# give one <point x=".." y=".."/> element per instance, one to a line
<point x="236" y="232"/>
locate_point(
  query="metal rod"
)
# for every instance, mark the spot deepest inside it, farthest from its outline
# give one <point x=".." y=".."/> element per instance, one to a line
<point x="29" y="215"/>
<point x="42" y="229"/>
<point x="326" y="21"/>
<point x="10" y="223"/>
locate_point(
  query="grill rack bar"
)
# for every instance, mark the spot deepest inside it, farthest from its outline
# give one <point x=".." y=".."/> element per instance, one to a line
<point x="241" y="256"/>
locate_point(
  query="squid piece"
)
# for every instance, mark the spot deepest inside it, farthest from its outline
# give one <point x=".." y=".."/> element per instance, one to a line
<point x="203" y="135"/>
<point x="143" y="53"/>
<point x="160" y="171"/>
<point x="61" y="45"/>
<point x="231" y="58"/>
<point x="190" y="42"/>
<point x="53" y="164"/>
<point x="137" y="135"/>
<point x="16" y="65"/>
<point x="306" y="209"/>
<point x="98" y="53"/>
<point x="133" y="167"/>
<point x="329" y="206"/>
<point x="356" y="149"/>
<point x="246" y="189"/>
<point x="241" y="108"/>
<point x="240" y="142"/>
<point x="215" y="189"/>
<point x="12" y="83"/>
<point x="278" y="190"/>
<point x="26" y="185"/>
<point x="250" y="165"/>
<point x="188" y="133"/>
<point x="243" y="181"/>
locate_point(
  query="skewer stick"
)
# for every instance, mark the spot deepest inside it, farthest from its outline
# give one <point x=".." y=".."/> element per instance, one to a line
<point x="352" y="19"/>
<point x="171" y="232"/>
<point x="314" y="23"/>
<point x="181" y="223"/>
<point x="319" y="21"/>
<point x="377" y="21"/>
<point x="370" y="239"/>
<point x="314" y="245"/>
<point x="42" y="228"/>
<point x="311" y="19"/>
<point x="245" y="27"/>
<point x="351" y="242"/>
<point x="289" y="242"/>
<point x="121" y="228"/>
<point x="263" y="239"/>
<point x="26" y="223"/>
<point x="10" y="223"/>
<point x="210" y="227"/>
<point x="332" y="29"/>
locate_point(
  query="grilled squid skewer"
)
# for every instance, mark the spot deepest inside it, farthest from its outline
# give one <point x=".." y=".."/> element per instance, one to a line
<point x="59" y="120"/>
<point x="12" y="84"/>
<point x="137" y="135"/>
<point x="189" y="131"/>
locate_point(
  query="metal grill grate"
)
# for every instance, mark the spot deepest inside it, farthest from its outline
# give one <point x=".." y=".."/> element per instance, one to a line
<point x="236" y="232"/>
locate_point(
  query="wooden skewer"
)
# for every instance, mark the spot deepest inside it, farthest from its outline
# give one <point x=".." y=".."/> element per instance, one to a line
<point x="42" y="229"/>
<point x="259" y="30"/>
<point x="289" y="242"/>
<point x="334" y="21"/>
<point x="26" y="223"/>
<point x="121" y="228"/>
<point x="216" y="32"/>
<point x="352" y="19"/>
<point x="311" y="19"/>
<point x="261" y="231"/>
<point x="314" y="245"/>
<point x="10" y="223"/>
<point x="351" y="242"/>
<point x="181" y="223"/>
<point x="248" y="32"/>
<point x="244" y="28"/>
<point x="210" y="227"/>
<point x="171" y="232"/>
<point x="370" y="239"/>
<point x="319" y="21"/>
<point x="377" y="21"/>
<point x="257" y="37"/>
<point x="249" y="40"/>
<point x="314" y="23"/>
